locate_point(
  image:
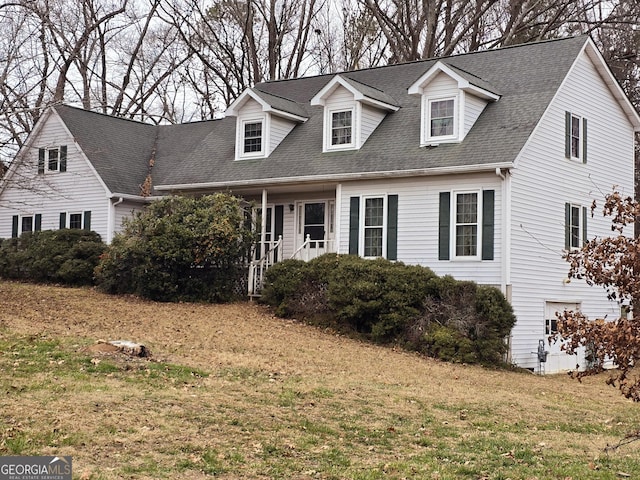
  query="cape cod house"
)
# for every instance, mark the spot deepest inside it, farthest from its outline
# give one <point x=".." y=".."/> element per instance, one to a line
<point x="482" y="166"/>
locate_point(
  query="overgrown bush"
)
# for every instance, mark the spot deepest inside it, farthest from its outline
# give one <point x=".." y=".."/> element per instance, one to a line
<point x="66" y="256"/>
<point x="180" y="249"/>
<point x="393" y="302"/>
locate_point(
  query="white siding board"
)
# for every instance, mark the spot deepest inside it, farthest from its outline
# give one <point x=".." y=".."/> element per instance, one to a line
<point x="441" y="86"/>
<point x="370" y="119"/>
<point x="473" y="107"/>
<point x="279" y="129"/>
<point x="74" y="191"/>
<point x="541" y="184"/>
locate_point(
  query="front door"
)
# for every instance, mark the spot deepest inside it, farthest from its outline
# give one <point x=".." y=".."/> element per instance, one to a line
<point x="315" y="219"/>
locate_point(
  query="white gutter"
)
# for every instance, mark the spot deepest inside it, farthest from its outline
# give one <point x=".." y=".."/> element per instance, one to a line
<point x="135" y="198"/>
<point x="490" y="167"/>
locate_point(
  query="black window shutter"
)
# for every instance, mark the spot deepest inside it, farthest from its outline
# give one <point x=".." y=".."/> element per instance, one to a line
<point x="87" y="220"/>
<point x="567" y="226"/>
<point x="14" y="226"/>
<point x="488" y="201"/>
<point x="63" y="158"/>
<point x="392" y="227"/>
<point x="37" y="222"/>
<point x="279" y="226"/>
<point x="585" y="239"/>
<point x="41" y="160"/>
<point x="63" y="220"/>
<point x="354" y="225"/>
<point x="567" y="134"/>
<point x="584" y="140"/>
<point x="444" y="226"/>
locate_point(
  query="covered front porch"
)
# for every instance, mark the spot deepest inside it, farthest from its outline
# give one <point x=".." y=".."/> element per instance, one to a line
<point x="292" y="225"/>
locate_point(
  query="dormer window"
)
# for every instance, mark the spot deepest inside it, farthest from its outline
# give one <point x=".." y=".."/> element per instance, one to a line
<point x="253" y="137"/>
<point x="352" y="111"/>
<point x="262" y="122"/>
<point x="442" y="118"/>
<point x="452" y="101"/>
<point x="341" y="128"/>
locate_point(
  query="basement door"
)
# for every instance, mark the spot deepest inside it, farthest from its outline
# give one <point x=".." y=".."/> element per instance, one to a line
<point x="558" y="360"/>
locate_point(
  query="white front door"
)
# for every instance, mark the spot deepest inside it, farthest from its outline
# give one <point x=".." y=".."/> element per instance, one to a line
<point x="557" y="359"/>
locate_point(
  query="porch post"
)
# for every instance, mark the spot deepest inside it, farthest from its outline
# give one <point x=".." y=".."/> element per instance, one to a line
<point x="337" y="219"/>
<point x="263" y="224"/>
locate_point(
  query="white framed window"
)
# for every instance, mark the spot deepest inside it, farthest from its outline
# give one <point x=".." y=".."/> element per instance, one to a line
<point x="466" y="224"/>
<point x="575" y="228"/>
<point x="373" y="227"/>
<point x="575" y="137"/>
<point x="27" y="223"/>
<point x="340" y="129"/>
<point x="76" y="220"/>
<point x="252" y="140"/>
<point x="441" y="119"/>
<point x="53" y="159"/>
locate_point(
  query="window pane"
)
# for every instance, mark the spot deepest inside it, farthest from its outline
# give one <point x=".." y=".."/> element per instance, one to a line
<point x="53" y="158"/>
<point x="373" y="242"/>
<point x="466" y="240"/>
<point x="467" y="208"/>
<point x="373" y="212"/>
<point x="252" y="137"/>
<point x="75" y="220"/>
<point x="341" y="128"/>
<point x="27" y="224"/>
<point x="442" y="118"/>
<point x="575" y="227"/>
<point x="575" y="137"/>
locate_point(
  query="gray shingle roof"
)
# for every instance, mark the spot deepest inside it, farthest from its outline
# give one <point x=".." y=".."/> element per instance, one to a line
<point x="526" y="77"/>
<point x="371" y="92"/>
<point x="282" y="104"/>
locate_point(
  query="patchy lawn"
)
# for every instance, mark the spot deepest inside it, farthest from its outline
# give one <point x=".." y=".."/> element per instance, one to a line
<point x="233" y="392"/>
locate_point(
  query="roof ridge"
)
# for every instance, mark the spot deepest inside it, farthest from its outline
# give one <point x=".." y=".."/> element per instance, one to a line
<point x="108" y="115"/>
<point x="429" y="59"/>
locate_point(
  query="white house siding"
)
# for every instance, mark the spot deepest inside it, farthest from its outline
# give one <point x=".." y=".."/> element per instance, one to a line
<point x="280" y="128"/>
<point x="418" y="214"/>
<point x="442" y="86"/>
<point x="370" y="119"/>
<point x="125" y="210"/>
<point x="543" y="181"/>
<point x="74" y="191"/>
<point x="473" y="107"/>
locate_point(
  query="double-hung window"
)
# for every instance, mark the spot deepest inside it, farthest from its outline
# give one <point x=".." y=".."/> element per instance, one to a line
<point x="252" y="140"/>
<point x="373" y="228"/>
<point x="575" y="137"/>
<point x="341" y="127"/>
<point x="575" y="219"/>
<point x="25" y="223"/>
<point x="466" y="224"/>
<point x="53" y="159"/>
<point x="440" y="120"/>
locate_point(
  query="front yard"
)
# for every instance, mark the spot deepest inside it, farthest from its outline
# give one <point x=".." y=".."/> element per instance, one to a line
<point x="233" y="392"/>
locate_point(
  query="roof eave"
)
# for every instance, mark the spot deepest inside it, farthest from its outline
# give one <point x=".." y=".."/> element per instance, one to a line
<point x="458" y="169"/>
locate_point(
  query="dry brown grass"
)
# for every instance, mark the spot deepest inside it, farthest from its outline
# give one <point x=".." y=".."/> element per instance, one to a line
<point x="281" y="400"/>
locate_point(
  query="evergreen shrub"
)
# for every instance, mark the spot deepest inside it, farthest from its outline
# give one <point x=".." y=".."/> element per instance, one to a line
<point x="390" y="302"/>
<point x="180" y="249"/>
<point x="66" y="256"/>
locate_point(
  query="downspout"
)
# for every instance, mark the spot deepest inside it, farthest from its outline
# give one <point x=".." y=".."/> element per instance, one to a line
<point x="505" y="273"/>
<point x="111" y="222"/>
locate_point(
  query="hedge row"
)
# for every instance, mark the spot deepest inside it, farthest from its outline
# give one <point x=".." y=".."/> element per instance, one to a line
<point x="51" y="256"/>
<point x="390" y="302"/>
